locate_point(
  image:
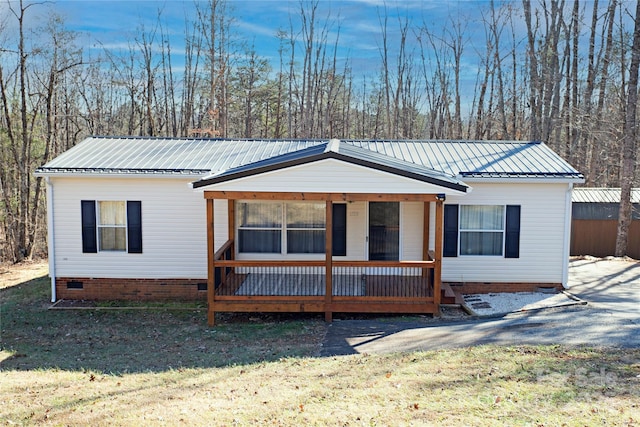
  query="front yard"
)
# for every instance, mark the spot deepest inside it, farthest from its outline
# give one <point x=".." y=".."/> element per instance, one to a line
<point x="166" y="367"/>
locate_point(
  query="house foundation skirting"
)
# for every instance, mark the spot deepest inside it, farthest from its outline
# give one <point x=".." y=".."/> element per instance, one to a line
<point x="88" y="288"/>
<point x="496" y="287"/>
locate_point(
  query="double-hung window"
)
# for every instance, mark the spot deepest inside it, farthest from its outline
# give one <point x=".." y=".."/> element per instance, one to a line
<point x="481" y="229"/>
<point x="281" y="227"/>
<point x="305" y="227"/>
<point x="492" y="230"/>
<point x="259" y="227"/>
<point x="111" y="226"/>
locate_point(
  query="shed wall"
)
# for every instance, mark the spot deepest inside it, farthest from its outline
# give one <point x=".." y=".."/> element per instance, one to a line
<point x="597" y="237"/>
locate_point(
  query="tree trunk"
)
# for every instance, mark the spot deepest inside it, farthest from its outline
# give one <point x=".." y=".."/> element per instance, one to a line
<point x="627" y="171"/>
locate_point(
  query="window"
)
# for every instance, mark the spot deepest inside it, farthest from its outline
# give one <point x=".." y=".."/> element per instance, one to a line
<point x="305" y="227"/>
<point x="260" y="227"/>
<point x="278" y="227"/>
<point x="481" y="230"/>
<point x="111" y="226"/>
<point x="492" y="230"/>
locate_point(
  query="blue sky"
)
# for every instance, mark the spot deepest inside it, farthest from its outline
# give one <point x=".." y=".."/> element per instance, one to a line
<point x="113" y="24"/>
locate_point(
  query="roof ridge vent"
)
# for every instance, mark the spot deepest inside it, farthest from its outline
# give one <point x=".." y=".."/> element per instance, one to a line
<point x="333" y="146"/>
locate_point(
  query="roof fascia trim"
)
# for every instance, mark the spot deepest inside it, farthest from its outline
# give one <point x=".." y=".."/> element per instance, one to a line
<point x="526" y="180"/>
<point x="80" y="174"/>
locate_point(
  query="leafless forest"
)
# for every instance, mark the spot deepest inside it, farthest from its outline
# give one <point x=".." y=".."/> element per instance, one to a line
<point x="553" y="70"/>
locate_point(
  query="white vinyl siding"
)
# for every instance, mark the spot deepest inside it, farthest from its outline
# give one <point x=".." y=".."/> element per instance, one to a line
<point x="174" y="227"/>
<point x="173" y="223"/>
<point x="410" y="240"/>
<point x="542" y="231"/>
<point x="356" y="231"/>
<point x="411" y="231"/>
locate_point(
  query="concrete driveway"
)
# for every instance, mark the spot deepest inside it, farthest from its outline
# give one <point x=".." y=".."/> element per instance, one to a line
<point x="611" y="317"/>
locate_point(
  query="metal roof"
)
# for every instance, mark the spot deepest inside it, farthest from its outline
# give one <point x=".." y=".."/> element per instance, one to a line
<point x="479" y="158"/>
<point x="336" y="149"/>
<point x="602" y="195"/>
<point x="464" y="159"/>
<point x="111" y="155"/>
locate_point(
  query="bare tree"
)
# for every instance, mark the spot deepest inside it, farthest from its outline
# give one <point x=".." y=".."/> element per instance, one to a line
<point x="629" y="135"/>
<point x="30" y="125"/>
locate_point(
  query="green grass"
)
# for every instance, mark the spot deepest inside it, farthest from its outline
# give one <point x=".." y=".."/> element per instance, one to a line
<point x="154" y="339"/>
<point x="166" y="367"/>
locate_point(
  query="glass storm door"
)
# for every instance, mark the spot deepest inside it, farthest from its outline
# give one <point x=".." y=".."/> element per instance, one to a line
<point x="384" y="231"/>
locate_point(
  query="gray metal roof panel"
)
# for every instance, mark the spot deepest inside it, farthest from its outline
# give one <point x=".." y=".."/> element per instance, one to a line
<point x="601" y="195"/>
<point x="490" y="158"/>
<point x="455" y="158"/>
<point x="184" y="154"/>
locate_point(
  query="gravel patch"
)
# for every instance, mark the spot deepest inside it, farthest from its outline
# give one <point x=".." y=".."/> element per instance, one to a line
<point x="494" y="304"/>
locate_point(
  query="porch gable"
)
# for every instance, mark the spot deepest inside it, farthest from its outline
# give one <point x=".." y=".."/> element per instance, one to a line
<point x="334" y="167"/>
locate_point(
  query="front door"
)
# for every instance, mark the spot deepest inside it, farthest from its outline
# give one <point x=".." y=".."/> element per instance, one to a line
<point x="384" y="231"/>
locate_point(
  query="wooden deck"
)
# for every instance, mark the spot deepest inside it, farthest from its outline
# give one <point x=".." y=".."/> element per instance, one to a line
<point x="363" y="293"/>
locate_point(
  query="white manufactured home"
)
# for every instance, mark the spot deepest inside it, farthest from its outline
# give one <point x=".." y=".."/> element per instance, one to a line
<point x="306" y="225"/>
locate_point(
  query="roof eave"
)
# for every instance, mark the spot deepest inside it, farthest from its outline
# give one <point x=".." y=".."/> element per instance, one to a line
<point x="525" y="179"/>
<point x="121" y="173"/>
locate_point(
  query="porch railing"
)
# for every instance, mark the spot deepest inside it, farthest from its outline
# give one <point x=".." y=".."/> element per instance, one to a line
<point x="350" y="280"/>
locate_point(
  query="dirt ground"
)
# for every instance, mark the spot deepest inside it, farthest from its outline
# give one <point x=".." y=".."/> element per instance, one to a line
<point x="11" y="275"/>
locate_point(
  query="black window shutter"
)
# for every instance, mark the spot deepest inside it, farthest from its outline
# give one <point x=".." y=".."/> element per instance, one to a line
<point x="339" y="232"/>
<point x="89" y="236"/>
<point x="512" y="232"/>
<point x="450" y="244"/>
<point x="134" y="226"/>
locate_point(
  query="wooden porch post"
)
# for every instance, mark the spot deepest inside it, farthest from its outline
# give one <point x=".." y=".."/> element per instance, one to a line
<point x="437" y="276"/>
<point x="425" y="235"/>
<point x="328" y="250"/>
<point x="231" y="221"/>
<point x="211" y="285"/>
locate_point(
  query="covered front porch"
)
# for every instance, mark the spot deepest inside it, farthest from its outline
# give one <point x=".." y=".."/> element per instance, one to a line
<point x="329" y="283"/>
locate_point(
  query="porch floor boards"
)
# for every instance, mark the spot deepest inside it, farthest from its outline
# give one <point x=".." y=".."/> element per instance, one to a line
<point x="264" y="284"/>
